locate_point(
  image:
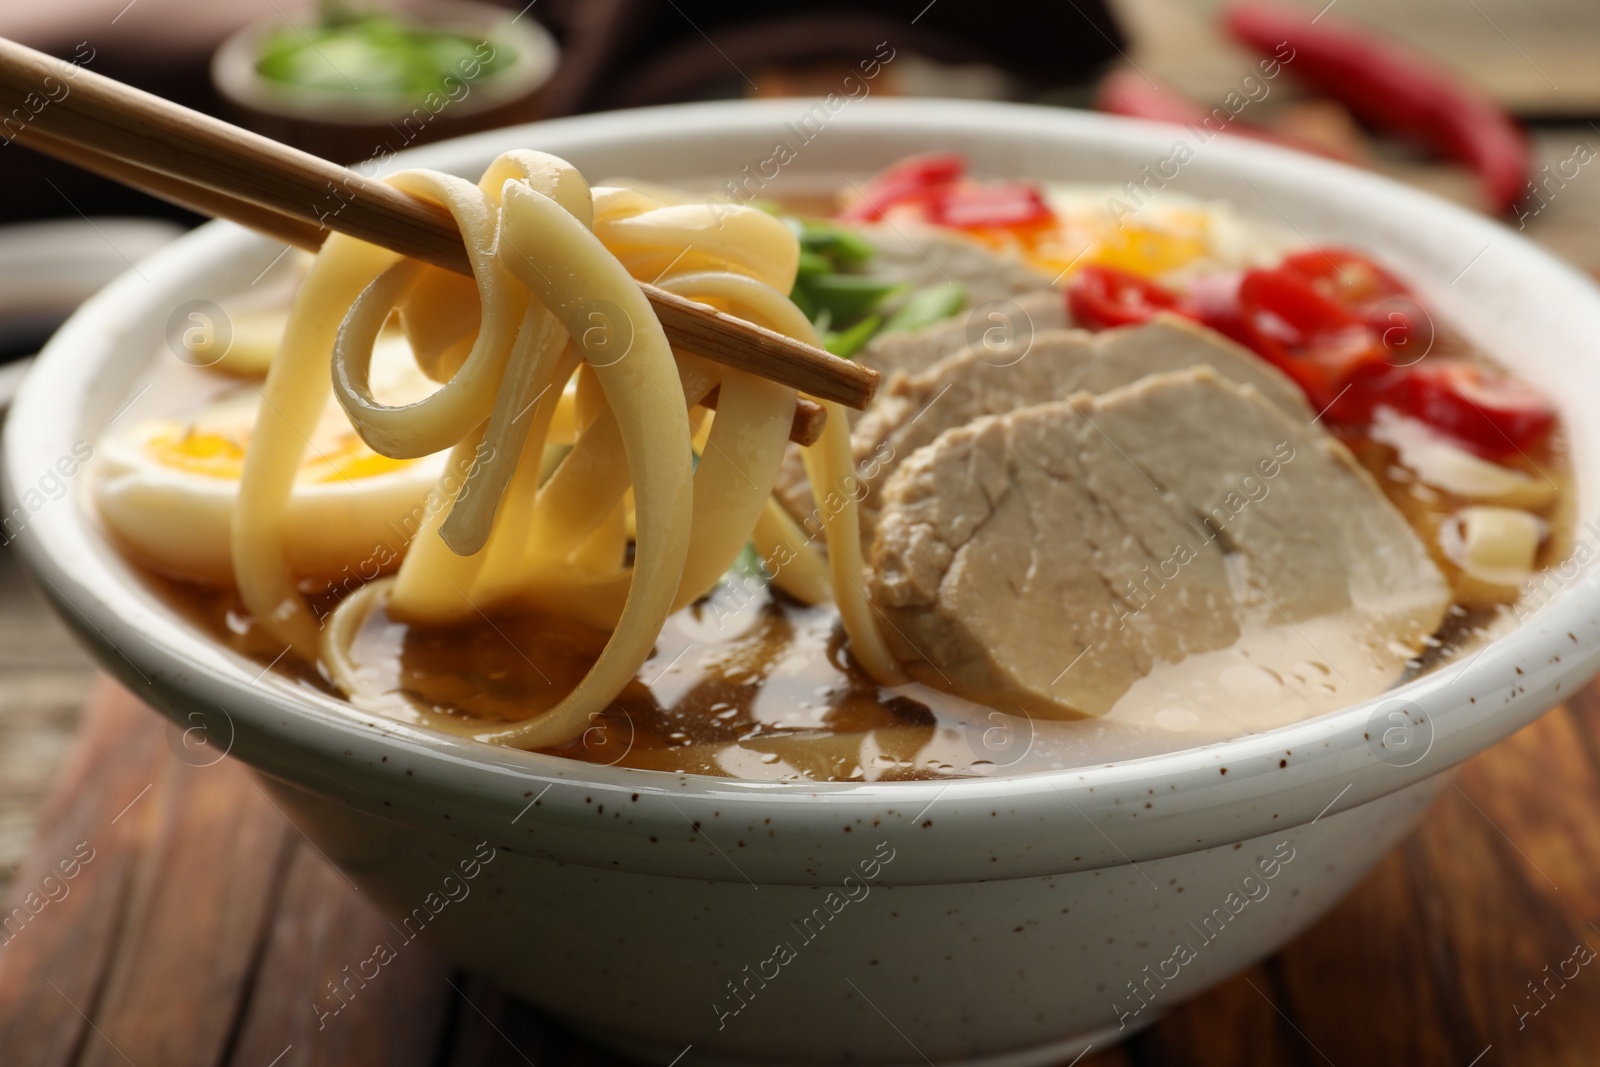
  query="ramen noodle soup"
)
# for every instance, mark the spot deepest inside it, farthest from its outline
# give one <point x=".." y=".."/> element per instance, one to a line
<point x="1133" y="481"/>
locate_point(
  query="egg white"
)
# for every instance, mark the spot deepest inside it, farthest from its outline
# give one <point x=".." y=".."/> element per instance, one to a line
<point x="339" y="526"/>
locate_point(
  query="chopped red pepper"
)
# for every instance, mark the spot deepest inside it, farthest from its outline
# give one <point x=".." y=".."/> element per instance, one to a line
<point x="1342" y="328"/>
<point x="1393" y="88"/>
<point x="934" y="184"/>
<point x="1490" y="413"/>
<point x="1215" y="299"/>
<point x="911" y="180"/>
<point x="1348" y="277"/>
<point x="1103" y="297"/>
<point x="1377" y="296"/>
<point x="998" y="205"/>
<point x="1285" y="311"/>
<point x="1326" y="348"/>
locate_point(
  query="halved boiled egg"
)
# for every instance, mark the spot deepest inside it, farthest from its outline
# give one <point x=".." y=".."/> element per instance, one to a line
<point x="166" y="487"/>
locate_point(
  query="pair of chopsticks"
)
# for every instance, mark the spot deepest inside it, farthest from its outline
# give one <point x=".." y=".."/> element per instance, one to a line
<point x="218" y="169"/>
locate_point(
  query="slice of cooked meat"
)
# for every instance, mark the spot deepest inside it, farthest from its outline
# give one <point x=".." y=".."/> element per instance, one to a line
<point x="1008" y="303"/>
<point x="1002" y="328"/>
<point x="971" y="384"/>
<point x="928" y="255"/>
<point x="998" y="330"/>
<point x="1051" y="558"/>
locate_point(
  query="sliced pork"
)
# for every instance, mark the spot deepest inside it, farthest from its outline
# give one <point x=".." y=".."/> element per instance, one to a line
<point x="1008" y="305"/>
<point x="928" y="255"/>
<point x="1000" y="329"/>
<point x="1049" y="559"/>
<point x="918" y="408"/>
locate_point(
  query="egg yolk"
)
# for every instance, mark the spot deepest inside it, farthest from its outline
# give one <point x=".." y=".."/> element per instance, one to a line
<point x="1078" y="237"/>
<point x="220" y="455"/>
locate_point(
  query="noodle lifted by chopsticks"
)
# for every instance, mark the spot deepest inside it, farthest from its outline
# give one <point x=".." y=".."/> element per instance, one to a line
<point x="553" y="295"/>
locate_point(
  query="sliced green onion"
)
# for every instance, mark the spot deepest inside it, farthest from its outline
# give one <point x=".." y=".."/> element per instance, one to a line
<point x="927" y="306"/>
<point x="813" y="264"/>
<point x="352" y="53"/>
<point x="847" y="343"/>
<point x="847" y="297"/>
<point x="804" y="302"/>
<point x="845" y="247"/>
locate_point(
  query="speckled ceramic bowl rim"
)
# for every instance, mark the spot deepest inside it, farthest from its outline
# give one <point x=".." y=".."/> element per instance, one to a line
<point x="1058" y="821"/>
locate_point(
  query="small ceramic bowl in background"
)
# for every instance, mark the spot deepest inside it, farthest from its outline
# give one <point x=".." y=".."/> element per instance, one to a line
<point x="1000" y="920"/>
<point x="48" y="268"/>
<point x="352" y="125"/>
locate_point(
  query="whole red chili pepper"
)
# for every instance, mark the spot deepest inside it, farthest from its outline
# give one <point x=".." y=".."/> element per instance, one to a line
<point x="1127" y="92"/>
<point x="1395" y="89"/>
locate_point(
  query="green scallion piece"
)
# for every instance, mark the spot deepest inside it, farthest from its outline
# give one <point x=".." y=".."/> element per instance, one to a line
<point x="846" y="343"/>
<point x="847" y="297"/>
<point x="927" y="306"/>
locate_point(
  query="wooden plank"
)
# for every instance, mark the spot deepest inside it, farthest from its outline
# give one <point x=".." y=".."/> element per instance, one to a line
<point x="1112" y="1056"/>
<point x="1237" y="1026"/>
<point x="44" y="678"/>
<point x="198" y="908"/>
<point x="493" y="1030"/>
<point x="56" y="953"/>
<point x="1378" y="939"/>
<point x="1509" y="863"/>
<point x="322" y="933"/>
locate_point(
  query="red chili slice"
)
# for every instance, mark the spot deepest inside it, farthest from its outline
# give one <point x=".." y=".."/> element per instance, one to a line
<point x="1395" y="317"/>
<point x="1490" y="413"/>
<point x="1215" y="300"/>
<point x="1326" y="348"/>
<point x="1286" y="311"/>
<point x="1346" y="277"/>
<point x="908" y="181"/>
<point x="1102" y="297"/>
<point x="1343" y="329"/>
<point x="993" y="205"/>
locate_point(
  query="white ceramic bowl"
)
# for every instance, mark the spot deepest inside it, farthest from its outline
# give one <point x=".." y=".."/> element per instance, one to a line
<point x="1002" y="920"/>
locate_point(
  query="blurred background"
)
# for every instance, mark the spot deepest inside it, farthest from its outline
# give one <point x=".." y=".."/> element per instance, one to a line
<point x="348" y="79"/>
<point x="363" y="78"/>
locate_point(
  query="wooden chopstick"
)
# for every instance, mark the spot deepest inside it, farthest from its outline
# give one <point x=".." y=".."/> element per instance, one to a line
<point x="172" y="151"/>
<point x="804" y="429"/>
<point x="806" y="426"/>
<point x="289" y="229"/>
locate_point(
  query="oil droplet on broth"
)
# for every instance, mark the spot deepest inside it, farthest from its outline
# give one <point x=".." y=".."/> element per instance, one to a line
<point x="1249" y="680"/>
<point x="1178" y="720"/>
